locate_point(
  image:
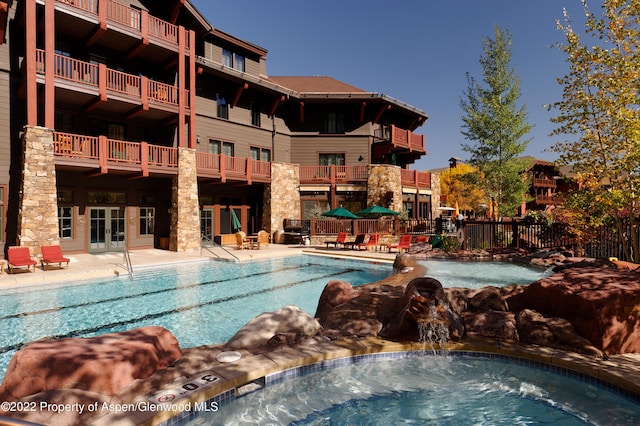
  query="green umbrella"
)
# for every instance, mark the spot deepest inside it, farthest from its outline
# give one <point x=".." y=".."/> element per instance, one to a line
<point x="235" y="222"/>
<point x="340" y="212"/>
<point x="376" y="210"/>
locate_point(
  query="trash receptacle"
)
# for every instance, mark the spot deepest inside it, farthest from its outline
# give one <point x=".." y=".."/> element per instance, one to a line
<point x="437" y="241"/>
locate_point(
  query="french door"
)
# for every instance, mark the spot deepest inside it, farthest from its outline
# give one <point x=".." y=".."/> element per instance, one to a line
<point x="106" y="229"/>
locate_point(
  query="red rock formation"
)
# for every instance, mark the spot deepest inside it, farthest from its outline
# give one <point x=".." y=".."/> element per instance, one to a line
<point x="104" y="364"/>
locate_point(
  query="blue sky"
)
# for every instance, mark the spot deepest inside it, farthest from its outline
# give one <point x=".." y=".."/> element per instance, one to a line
<point x="417" y="51"/>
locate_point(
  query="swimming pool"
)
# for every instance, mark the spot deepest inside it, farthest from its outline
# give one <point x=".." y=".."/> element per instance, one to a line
<point x="411" y="388"/>
<point x="477" y="274"/>
<point x="200" y="303"/>
<point x="204" y="302"/>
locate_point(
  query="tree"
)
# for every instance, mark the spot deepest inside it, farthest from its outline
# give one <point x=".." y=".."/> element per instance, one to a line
<point x="600" y="111"/>
<point x="457" y="188"/>
<point x="497" y="127"/>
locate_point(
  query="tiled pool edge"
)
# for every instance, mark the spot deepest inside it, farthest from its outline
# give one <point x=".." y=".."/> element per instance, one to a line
<point x="271" y="368"/>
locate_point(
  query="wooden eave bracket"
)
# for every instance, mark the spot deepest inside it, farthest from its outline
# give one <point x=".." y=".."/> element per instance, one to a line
<point x="236" y="98"/>
<point x="381" y="111"/>
<point x="275" y="105"/>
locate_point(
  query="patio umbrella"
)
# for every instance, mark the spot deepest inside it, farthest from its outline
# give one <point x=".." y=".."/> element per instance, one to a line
<point x="376" y="210"/>
<point x="235" y="222"/>
<point x="340" y="212"/>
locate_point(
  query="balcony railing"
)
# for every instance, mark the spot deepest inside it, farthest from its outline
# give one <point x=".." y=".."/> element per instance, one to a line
<point x="543" y="182"/>
<point x="104" y="153"/>
<point x="118" y="82"/>
<point x="129" y="17"/>
<point x="223" y="167"/>
<point x="333" y="174"/>
<point x="415" y="178"/>
<point x="400" y="138"/>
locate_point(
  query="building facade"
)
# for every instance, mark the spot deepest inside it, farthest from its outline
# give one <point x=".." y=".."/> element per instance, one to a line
<point x="138" y="124"/>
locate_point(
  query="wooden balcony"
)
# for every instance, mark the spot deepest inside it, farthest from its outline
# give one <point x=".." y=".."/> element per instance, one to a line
<point x="99" y="79"/>
<point x="392" y="140"/>
<point x="546" y="199"/>
<point x="333" y="174"/>
<point x="226" y="168"/>
<point x="100" y="155"/>
<point x="544" y="183"/>
<point x="119" y="15"/>
<point x="416" y="179"/>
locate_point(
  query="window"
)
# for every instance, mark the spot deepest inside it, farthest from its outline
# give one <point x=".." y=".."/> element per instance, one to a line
<point x="233" y="60"/>
<point x="255" y="114"/>
<point x="228" y="149"/>
<point x="238" y="62"/>
<point x="65" y="222"/>
<point x="220" y="147"/>
<point x="65" y="214"/>
<point x="147" y="220"/>
<point x="333" y="123"/>
<point x="262" y="154"/>
<point x="334" y="159"/>
<point x="227" y="58"/>
<point x="63" y="122"/>
<point x="223" y="107"/>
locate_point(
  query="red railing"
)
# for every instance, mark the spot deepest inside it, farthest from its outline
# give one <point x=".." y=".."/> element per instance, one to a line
<point x="130" y="17"/>
<point x="116" y="81"/>
<point x="415" y="178"/>
<point x="332" y="174"/>
<point x="219" y="166"/>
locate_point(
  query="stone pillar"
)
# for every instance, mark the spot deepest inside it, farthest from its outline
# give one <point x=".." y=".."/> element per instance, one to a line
<point x="384" y="179"/>
<point x="436" y="191"/>
<point x="282" y="196"/>
<point x="185" y="208"/>
<point x="38" y="214"/>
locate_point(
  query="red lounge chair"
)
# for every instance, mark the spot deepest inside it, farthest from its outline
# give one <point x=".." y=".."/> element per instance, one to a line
<point x="20" y="257"/>
<point x="403" y="244"/>
<point x="342" y="239"/>
<point x="373" y="241"/>
<point x="53" y="254"/>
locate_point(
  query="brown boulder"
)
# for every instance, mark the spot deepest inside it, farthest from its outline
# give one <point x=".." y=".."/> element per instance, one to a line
<point x="104" y="364"/>
<point x="501" y="325"/>
<point x="602" y="303"/>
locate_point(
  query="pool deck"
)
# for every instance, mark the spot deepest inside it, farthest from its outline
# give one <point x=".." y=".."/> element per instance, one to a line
<point x="622" y="371"/>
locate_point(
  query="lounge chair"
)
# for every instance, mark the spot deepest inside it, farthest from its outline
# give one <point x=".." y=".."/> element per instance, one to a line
<point x="359" y="241"/>
<point x="373" y="241"/>
<point x="51" y="255"/>
<point x="241" y="241"/>
<point x="19" y="257"/>
<point x="342" y="239"/>
<point x="403" y="244"/>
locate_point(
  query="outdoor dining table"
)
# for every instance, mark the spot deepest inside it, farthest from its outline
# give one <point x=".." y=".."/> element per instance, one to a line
<point x="253" y="241"/>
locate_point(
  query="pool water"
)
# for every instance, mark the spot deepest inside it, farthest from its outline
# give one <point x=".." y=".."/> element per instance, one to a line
<point x="200" y="303"/>
<point x="435" y="390"/>
<point x="477" y="274"/>
<point x="204" y="302"/>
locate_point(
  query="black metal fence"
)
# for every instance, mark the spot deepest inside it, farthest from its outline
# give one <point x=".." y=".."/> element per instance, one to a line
<point x="475" y="234"/>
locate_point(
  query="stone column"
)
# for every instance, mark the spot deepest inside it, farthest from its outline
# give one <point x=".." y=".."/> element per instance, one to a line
<point x="282" y="196"/>
<point x="185" y="208"/>
<point x="38" y="215"/>
<point x="436" y="191"/>
<point x="384" y="179"/>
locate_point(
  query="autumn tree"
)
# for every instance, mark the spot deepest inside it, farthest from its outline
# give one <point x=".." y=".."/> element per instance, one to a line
<point x="599" y="114"/>
<point x="458" y="188"/>
<point x="496" y="127"/>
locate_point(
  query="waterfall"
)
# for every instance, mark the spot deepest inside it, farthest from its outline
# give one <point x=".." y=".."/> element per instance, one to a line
<point x="433" y="331"/>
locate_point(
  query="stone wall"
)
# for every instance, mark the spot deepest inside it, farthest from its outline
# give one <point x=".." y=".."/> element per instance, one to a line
<point x="383" y="179"/>
<point x="38" y="215"/>
<point x="185" y="208"/>
<point x="282" y="196"/>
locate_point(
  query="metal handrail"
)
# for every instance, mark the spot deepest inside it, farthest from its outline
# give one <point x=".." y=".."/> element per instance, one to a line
<point x="203" y="237"/>
<point x="126" y="260"/>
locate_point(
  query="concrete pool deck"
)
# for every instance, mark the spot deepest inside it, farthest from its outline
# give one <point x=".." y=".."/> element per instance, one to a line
<point x="622" y="371"/>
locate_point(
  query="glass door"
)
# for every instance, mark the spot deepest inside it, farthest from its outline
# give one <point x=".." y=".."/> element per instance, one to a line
<point x="206" y="225"/>
<point x="106" y="229"/>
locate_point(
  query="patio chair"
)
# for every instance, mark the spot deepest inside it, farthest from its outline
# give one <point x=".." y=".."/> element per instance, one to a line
<point x="342" y="239"/>
<point x="19" y="257"/>
<point x="263" y="238"/>
<point x="357" y="243"/>
<point x="373" y="241"/>
<point x="52" y="255"/>
<point x="403" y="244"/>
<point x="241" y="241"/>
